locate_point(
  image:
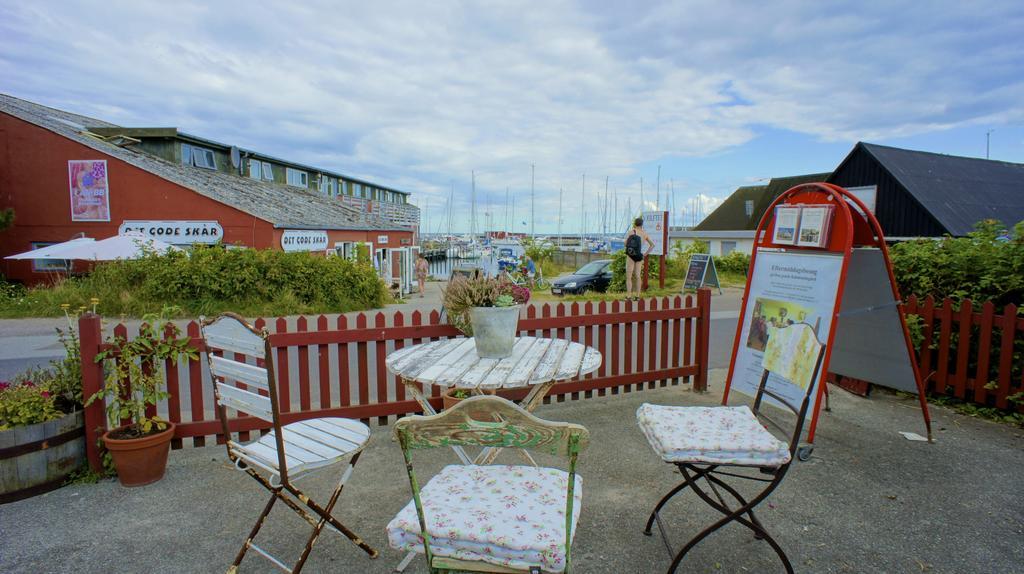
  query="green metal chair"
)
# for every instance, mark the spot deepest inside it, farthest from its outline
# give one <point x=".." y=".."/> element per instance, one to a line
<point x="504" y="519"/>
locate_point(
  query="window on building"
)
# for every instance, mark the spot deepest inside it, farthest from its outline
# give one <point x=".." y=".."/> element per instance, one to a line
<point x="254" y="169"/>
<point x="42" y="265"/>
<point x="268" y="172"/>
<point x="327" y="185"/>
<point x="748" y="207"/>
<point x="186" y="154"/>
<point x="357" y="189"/>
<point x="728" y="247"/>
<point x="296" y="177"/>
<point x="201" y="157"/>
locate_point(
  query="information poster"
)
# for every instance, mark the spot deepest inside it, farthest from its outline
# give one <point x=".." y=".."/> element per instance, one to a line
<point x="785" y="288"/>
<point x="90" y="199"/>
<point x="655" y="224"/>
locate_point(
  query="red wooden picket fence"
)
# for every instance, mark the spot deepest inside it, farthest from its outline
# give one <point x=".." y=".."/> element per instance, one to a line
<point x="335" y="366"/>
<point x="970" y="355"/>
<point x="965" y="353"/>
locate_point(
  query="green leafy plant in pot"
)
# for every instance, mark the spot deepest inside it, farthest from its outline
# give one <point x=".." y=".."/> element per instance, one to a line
<point x="139" y="442"/>
<point x="488" y="310"/>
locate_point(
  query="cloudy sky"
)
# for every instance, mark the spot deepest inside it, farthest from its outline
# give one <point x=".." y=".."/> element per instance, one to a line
<point x="419" y="95"/>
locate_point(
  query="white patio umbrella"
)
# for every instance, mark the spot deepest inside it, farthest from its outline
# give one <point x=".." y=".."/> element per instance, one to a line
<point x="127" y="246"/>
<point x="54" y="251"/>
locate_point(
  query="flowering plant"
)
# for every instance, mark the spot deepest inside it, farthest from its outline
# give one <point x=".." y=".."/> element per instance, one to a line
<point x="463" y="294"/>
<point x="23" y="402"/>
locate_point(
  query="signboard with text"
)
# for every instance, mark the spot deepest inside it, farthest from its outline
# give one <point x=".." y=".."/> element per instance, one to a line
<point x="784" y="288"/>
<point x="176" y="232"/>
<point x="700" y="272"/>
<point x="303" y="240"/>
<point x="656" y="225"/>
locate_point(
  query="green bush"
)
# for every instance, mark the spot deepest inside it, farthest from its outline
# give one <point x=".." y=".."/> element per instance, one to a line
<point x="736" y="262"/>
<point x="209" y="280"/>
<point x="618" y="282"/>
<point x="984" y="266"/>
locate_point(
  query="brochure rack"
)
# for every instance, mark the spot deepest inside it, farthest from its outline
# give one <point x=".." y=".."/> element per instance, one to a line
<point x="838" y="278"/>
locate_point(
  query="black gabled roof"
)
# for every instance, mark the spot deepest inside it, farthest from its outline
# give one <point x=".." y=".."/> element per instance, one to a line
<point x="957" y="191"/>
<point x="732" y="214"/>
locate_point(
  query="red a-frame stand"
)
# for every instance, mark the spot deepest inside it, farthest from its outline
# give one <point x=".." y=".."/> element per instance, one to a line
<point x="864" y="328"/>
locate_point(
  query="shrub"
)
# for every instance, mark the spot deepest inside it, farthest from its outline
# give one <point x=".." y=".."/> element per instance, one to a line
<point x="618" y="267"/>
<point x="986" y="265"/>
<point x="210" y="279"/>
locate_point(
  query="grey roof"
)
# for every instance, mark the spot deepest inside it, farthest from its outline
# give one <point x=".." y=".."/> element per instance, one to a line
<point x="731" y="215"/>
<point x="957" y="191"/>
<point x="280" y="205"/>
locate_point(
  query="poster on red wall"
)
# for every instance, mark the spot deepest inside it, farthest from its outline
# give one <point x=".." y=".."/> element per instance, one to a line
<point x="87" y="180"/>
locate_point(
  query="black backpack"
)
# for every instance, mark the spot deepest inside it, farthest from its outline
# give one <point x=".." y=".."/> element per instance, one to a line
<point x="633" y="248"/>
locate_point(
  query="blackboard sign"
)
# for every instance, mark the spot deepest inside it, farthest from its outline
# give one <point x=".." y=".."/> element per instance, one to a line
<point x="700" y="272"/>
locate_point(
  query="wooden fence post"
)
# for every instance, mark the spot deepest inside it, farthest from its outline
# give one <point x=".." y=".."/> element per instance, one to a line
<point x="700" y="382"/>
<point x="90" y="336"/>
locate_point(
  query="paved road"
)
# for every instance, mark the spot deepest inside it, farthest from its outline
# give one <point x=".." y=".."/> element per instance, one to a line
<point x="26" y="343"/>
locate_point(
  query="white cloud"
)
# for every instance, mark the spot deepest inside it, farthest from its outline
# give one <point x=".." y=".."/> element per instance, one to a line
<point x="416" y="94"/>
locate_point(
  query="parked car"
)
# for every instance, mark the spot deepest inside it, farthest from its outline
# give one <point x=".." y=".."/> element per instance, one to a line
<point x="594" y="276"/>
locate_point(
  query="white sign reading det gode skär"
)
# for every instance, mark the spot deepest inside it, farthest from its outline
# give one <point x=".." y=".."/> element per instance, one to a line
<point x="175" y="232"/>
<point x="303" y="240"/>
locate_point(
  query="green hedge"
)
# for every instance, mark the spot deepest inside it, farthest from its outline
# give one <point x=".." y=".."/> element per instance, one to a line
<point x="987" y="265"/>
<point x="209" y="280"/>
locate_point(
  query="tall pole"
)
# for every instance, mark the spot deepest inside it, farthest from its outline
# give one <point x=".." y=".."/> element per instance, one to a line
<point x="672" y="190"/>
<point x="559" y="217"/>
<point x="988" y="136"/>
<point x="583" y="213"/>
<point x="657" y="196"/>
<point x="451" y="198"/>
<point x="472" y="208"/>
<point x="533" y="213"/>
<point x="604" y="212"/>
<point x="506" y="212"/>
<point x="641" y="193"/>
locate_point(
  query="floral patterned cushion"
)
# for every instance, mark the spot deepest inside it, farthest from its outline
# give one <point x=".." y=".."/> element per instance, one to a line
<point x="513" y="516"/>
<point x="716" y="435"/>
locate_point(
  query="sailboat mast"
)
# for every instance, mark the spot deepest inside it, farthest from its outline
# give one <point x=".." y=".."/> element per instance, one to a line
<point x="583" y="209"/>
<point x="559" y="217"/>
<point x="533" y="213"/>
<point x="472" y="208"/>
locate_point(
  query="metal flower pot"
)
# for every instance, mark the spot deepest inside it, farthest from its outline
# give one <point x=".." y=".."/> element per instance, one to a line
<point x="494" y="330"/>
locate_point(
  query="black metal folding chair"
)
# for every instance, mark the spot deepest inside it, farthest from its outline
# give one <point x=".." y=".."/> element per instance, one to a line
<point x="711" y="442"/>
<point x="287" y="453"/>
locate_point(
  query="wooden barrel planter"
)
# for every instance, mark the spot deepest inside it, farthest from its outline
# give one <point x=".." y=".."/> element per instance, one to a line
<point x="37" y="458"/>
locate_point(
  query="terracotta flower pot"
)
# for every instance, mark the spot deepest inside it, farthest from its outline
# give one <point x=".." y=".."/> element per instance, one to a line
<point x="140" y="461"/>
<point x="448" y="400"/>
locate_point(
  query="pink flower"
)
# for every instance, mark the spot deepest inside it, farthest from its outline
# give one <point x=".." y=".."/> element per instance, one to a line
<point x="28" y="384"/>
<point x="45" y="394"/>
<point x="4" y="385"/>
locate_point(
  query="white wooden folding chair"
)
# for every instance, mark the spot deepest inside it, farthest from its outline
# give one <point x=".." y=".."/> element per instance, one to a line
<point x="289" y="452"/>
<point x="713" y="442"/>
<point x="504" y="519"/>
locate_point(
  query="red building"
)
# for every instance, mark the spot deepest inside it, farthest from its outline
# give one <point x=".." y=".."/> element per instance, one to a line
<point x="68" y="175"/>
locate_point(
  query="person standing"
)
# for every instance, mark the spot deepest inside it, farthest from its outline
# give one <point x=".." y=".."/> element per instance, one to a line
<point x="635" y="253"/>
<point x="531" y="270"/>
<point x="421" y="273"/>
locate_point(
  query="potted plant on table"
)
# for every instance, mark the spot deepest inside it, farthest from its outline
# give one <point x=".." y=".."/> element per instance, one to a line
<point x="488" y="310"/>
<point x="137" y="441"/>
